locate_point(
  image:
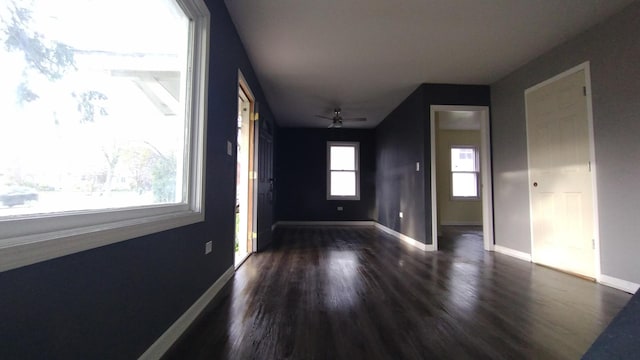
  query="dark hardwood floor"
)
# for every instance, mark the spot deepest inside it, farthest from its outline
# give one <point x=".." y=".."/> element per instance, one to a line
<point x="358" y="293"/>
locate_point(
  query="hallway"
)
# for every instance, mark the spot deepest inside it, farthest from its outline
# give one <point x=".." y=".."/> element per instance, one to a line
<point x="357" y="293"/>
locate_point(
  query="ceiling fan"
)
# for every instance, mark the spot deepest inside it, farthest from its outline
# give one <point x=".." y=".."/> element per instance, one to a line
<point x="337" y="118"/>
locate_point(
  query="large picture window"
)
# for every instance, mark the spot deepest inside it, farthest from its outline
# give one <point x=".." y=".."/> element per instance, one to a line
<point x="465" y="171"/>
<point x="343" y="173"/>
<point x="102" y="120"/>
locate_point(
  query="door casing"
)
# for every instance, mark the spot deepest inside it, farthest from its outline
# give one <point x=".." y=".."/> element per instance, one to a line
<point x="485" y="166"/>
<point x="251" y="211"/>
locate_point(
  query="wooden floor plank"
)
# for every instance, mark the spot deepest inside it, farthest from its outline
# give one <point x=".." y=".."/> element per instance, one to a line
<point x="358" y="293"/>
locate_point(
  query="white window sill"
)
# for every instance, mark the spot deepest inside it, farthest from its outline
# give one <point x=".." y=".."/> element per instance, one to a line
<point x="346" y="198"/>
<point x="26" y="250"/>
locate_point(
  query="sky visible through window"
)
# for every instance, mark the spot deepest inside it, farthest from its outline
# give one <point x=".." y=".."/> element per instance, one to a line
<point x="93" y="104"/>
<point x="343" y="170"/>
<point x="464" y="176"/>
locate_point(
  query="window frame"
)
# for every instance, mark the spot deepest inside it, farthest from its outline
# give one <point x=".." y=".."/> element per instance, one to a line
<point x="356" y="146"/>
<point x="476" y="172"/>
<point x="29" y="239"/>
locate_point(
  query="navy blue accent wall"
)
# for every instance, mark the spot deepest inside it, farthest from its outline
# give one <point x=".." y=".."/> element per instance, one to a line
<point x="400" y="140"/>
<point x="403" y="138"/>
<point x="113" y="302"/>
<point x="301" y="175"/>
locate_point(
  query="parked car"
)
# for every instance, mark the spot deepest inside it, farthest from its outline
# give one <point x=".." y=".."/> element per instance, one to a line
<point x="17" y="195"/>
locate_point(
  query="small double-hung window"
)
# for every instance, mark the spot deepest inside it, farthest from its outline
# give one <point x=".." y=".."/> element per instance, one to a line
<point x="465" y="170"/>
<point x="343" y="172"/>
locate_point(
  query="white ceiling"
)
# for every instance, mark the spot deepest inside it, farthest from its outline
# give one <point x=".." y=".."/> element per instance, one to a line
<point x="366" y="56"/>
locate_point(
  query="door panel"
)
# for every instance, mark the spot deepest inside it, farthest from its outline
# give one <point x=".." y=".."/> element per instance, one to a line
<point x="265" y="186"/>
<point x="559" y="172"/>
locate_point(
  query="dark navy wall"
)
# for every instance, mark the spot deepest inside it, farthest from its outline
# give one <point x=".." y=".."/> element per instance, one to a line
<point x="301" y="177"/>
<point x="400" y="144"/>
<point x="403" y="138"/>
<point x="114" y="302"/>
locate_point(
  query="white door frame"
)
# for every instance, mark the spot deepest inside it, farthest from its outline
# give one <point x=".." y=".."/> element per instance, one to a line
<point x="485" y="166"/>
<point x="253" y="120"/>
<point x="592" y="157"/>
<point x="256" y="168"/>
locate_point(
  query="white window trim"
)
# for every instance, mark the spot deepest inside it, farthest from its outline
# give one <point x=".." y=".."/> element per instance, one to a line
<point x="356" y="145"/>
<point x="477" y="172"/>
<point x="25" y="241"/>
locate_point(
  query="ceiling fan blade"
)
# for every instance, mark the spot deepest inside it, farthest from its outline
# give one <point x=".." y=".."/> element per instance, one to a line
<point x="323" y="117"/>
<point x="354" y="119"/>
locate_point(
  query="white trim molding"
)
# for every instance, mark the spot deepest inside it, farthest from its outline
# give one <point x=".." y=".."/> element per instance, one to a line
<point x="485" y="171"/>
<point x="27" y="250"/>
<point x="619" y="284"/>
<point x="460" y="223"/>
<point x="166" y="340"/>
<point x="513" y="253"/>
<point x="324" y="223"/>
<point x="411" y="241"/>
<point x="356" y="148"/>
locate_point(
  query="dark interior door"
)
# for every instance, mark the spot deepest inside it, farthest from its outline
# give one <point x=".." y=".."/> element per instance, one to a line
<point x="265" y="186"/>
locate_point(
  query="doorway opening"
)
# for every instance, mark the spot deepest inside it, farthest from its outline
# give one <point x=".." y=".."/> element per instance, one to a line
<point x="245" y="174"/>
<point x="461" y="182"/>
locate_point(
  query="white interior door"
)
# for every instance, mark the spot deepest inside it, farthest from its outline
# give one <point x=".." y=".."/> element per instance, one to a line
<point x="561" y="189"/>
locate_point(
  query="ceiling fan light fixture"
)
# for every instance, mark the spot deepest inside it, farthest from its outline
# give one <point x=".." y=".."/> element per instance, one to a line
<point x="337" y="118"/>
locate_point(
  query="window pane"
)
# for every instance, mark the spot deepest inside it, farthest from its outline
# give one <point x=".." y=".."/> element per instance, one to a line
<point x="464" y="184"/>
<point x="463" y="159"/>
<point x="343" y="183"/>
<point x="343" y="158"/>
<point x="93" y="114"/>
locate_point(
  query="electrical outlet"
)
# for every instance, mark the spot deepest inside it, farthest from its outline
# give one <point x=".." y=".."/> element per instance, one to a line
<point x="401" y="215"/>
<point x="229" y="148"/>
<point x="208" y="246"/>
<point x="339" y="208"/>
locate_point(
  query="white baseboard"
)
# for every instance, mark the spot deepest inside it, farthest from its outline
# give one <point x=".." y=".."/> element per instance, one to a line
<point x="326" y="223"/>
<point x="619" y="284"/>
<point x="413" y="242"/>
<point x="164" y="342"/>
<point x="461" y="223"/>
<point x="514" y="253"/>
